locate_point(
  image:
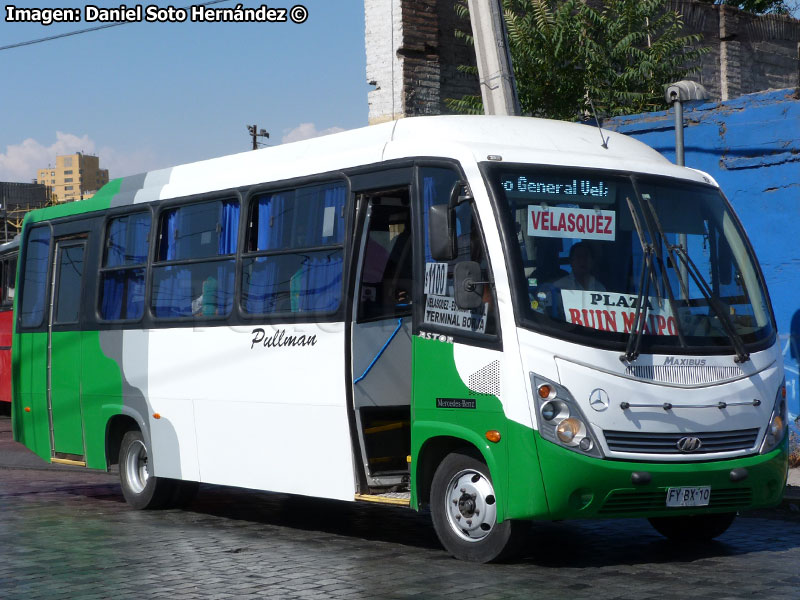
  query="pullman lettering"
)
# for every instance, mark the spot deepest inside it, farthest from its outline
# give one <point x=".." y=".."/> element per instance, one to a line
<point x="279" y="339"/>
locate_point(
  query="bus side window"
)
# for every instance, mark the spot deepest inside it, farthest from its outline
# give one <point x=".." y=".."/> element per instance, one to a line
<point x="385" y="289"/>
<point x="34" y="279"/>
<point x="12" y="279"/>
<point x="440" y="310"/>
<point x="293" y="255"/>
<point x="122" y="277"/>
<point x="184" y="286"/>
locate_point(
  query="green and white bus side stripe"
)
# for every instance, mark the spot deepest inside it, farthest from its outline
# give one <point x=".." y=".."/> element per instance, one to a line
<point x="144" y="187"/>
<point x="512" y="461"/>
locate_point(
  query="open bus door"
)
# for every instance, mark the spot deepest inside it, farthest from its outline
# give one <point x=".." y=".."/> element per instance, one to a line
<point x="381" y="337"/>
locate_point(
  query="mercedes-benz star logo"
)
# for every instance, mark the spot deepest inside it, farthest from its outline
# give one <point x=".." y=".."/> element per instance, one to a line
<point x="689" y="444"/>
<point x="598" y="399"/>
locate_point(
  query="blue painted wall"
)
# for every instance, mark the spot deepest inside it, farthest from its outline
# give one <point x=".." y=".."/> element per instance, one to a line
<point x="751" y="146"/>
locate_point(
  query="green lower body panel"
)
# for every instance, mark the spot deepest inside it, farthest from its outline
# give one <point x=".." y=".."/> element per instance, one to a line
<point x="577" y="486"/>
<point x="65" y="392"/>
<point x="86" y="394"/>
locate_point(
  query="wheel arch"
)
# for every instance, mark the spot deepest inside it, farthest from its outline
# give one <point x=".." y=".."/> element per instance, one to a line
<point x="436" y="447"/>
<point x="116" y="428"/>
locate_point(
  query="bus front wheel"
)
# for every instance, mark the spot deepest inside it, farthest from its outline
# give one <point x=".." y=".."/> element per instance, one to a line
<point x="464" y="512"/>
<point x="698" y="528"/>
<point x="140" y="487"/>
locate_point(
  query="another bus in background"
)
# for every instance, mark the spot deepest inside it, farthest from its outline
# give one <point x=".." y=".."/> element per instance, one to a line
<point x="8" y="277"/>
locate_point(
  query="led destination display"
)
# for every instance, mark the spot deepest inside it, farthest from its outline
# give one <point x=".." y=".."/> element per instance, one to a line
<point x="559" y="189"/>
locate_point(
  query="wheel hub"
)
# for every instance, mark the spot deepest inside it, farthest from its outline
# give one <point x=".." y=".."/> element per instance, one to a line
<point x="136" y="467"/>
<point x="471" y="509"/>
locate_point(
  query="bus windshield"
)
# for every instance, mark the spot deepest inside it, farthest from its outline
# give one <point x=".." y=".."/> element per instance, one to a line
<point x="602" y="258"/>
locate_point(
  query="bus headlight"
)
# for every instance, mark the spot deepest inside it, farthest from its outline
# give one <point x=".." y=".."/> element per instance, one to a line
<point x="778" y="422"/>
<point x="560" y="419"/>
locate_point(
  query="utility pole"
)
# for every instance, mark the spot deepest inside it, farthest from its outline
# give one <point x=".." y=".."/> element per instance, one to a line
<point x="676" y="94"/>
<point x="255" y="134"/>
<point x="498" y="88"/>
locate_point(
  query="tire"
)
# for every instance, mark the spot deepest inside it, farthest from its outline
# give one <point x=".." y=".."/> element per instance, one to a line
<point x="699" y="528"/>
<point x="463" y="510"/>
<point x="141" y="489"/>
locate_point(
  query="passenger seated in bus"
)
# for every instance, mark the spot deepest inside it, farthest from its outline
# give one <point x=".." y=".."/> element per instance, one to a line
<point x="206" y="303"/>
<point x="581" y="278"/>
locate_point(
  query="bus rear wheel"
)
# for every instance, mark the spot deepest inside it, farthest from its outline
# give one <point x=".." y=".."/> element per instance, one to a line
<point x="141" y="489"/>
<point x="697" y="528"/>
<point x="464" y="512"/>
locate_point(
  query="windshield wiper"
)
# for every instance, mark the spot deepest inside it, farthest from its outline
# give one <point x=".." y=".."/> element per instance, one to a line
<point x="727" y="325"/>
<point x="635" y="339"/>
<point x="656" y="224"/>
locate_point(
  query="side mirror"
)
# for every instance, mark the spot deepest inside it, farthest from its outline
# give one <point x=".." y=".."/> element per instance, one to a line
<point x="441" y="234"/>
<point x="467" y="285"/>
<point x="441" y="223"/>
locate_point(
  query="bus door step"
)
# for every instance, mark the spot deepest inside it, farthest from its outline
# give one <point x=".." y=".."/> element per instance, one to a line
<point x="396" y="498"/>
<point x="62" y="458"/>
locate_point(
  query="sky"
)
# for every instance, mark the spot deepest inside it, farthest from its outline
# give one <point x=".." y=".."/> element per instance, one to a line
<point x="149" y="95"/>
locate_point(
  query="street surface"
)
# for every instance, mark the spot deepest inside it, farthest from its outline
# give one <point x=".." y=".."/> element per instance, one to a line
<point x="67" y="533"/>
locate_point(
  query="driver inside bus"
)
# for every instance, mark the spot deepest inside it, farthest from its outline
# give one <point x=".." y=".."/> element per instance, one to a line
<point x="581" y="278"/>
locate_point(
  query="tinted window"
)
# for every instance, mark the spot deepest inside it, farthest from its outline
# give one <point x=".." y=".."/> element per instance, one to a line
<point x="127" y="240"/>
<point x="200" y="230"/>
<point x="440" y="309"/>
<point x="34" y="281"/>
<point x="199" y="289"/>
<point x="207" y="230"/>
<point x="70" y="274"/>
<point x="11" y="279"/>
<point x="293" y="260"/>
<point x="122" y="279"/>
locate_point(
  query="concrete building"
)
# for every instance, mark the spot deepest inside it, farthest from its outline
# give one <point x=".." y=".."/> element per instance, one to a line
<point x="75" y="177"/>
<point x="16" y="199"/>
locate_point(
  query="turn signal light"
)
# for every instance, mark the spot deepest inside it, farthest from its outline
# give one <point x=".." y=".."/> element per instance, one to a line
<point x="27" y="409"/>
<point x="156" y="416"/>
<point x="545" y="391"/>
<point x="493" y="435"/>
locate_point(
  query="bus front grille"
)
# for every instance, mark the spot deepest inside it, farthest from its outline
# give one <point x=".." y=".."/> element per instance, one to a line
<point x="668" y="443"/>
<point x="684" y="375"/>
<point x="628" y="501"/>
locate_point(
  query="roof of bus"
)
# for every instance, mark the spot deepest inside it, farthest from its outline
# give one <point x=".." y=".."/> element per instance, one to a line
<point x="464" y="138"/>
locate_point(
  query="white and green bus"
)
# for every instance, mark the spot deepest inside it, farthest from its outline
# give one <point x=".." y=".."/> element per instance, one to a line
<point x="498" y="318"/>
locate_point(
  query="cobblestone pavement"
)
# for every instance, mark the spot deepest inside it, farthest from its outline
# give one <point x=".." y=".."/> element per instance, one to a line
<point x="67" y="533"/>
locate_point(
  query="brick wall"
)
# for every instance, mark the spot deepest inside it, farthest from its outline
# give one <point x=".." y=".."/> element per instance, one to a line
<point x="413" y="54"/>
<point x="749" y="53"/>
<point x="412" y="43"/>
<point x="383" y="35"/>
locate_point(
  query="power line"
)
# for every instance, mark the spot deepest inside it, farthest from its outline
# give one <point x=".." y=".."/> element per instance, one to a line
<point x="90" y="29"/>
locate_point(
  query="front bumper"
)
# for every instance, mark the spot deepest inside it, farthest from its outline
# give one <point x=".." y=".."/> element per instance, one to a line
<point x="577" y="486"/>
